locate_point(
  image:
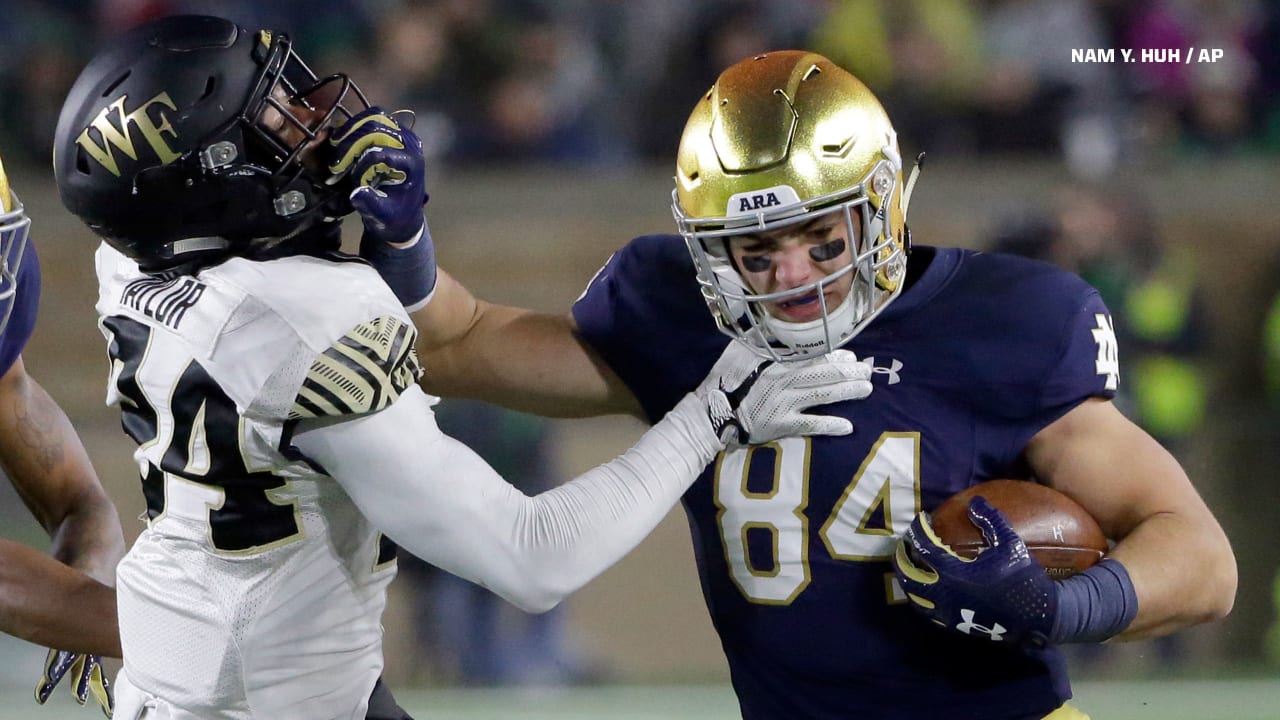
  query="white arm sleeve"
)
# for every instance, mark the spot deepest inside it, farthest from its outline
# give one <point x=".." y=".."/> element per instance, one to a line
<point x="440" y="501"/>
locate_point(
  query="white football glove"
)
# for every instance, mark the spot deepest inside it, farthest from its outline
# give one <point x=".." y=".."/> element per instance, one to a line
<point x="753" y="400"/>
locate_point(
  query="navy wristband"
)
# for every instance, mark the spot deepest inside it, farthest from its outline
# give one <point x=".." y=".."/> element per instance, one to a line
<point x="410" y="271"/>
<point x="1094" y="605"/>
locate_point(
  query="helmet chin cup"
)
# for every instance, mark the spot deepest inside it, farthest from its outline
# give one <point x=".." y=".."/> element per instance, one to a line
<point x="818" y="336"/>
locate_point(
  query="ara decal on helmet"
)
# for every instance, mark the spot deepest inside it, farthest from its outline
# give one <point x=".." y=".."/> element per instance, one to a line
<point x="751" y="201"/>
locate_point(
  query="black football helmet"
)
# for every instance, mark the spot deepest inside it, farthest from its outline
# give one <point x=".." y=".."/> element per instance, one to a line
<point x="190" y="138"/>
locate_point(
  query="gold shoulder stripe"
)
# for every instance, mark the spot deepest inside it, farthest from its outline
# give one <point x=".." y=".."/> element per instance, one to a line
<point x="363" y="372"/>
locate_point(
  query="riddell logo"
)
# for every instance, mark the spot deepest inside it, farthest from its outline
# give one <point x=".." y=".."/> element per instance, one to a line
<point x="892" y="370"/>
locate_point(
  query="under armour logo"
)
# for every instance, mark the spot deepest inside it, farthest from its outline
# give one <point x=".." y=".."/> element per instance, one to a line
<point x="995" y="632"/>
<point x="892" y="371"/>
<point x="1108" y="362"/>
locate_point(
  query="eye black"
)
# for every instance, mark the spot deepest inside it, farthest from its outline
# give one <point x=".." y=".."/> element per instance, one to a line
<point x="827" y="251"/>
<point x="756" y="263"/>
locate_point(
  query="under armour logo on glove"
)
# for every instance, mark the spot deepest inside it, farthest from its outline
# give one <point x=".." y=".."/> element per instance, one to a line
<point x="1004" y="585"/>
<point x="722" y="405"/>
<point x="995" y="632"/>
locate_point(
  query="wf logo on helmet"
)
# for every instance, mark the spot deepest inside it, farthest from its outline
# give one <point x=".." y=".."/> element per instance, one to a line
<point x="116" y="135"/>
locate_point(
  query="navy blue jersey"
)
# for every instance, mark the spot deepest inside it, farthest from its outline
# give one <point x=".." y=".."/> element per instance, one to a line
<point x="22" y="320"/>
<point x="793" y="538"/>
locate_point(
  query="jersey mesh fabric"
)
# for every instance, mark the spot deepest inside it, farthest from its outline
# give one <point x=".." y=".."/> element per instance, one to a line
<point x="278" y="393"/>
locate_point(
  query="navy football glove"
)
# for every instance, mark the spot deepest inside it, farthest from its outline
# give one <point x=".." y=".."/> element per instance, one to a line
<point x="86" y="673"/>
<point x="1003" y="595"/>
<point x="382" y="158"/>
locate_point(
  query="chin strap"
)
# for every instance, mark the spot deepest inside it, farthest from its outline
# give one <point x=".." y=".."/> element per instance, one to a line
<point x="911" y="184"/>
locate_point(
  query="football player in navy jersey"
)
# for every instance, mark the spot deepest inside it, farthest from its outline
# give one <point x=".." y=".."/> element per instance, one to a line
<point x="63" y="600"/>
<point x="830" y="593"/>
<point x="269" y="383"/>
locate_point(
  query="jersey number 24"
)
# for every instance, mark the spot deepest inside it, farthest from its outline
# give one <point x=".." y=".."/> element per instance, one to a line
<point x="197" y="430"/>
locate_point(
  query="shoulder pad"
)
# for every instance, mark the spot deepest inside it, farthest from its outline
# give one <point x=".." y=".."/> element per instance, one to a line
<point x="362" y="372"/>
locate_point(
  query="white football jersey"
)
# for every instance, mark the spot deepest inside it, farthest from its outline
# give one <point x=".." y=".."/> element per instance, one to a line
<point x="258" y="587"/>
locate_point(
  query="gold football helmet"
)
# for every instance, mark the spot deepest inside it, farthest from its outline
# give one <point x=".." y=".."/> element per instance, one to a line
<point x="780" y="139"/>
<point x="14" y="226"/>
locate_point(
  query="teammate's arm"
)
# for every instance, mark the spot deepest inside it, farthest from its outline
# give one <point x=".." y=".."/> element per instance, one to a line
<point x="526" y="360"/>
<point x="67" y="602"/>
<point x="1178" y="557"/>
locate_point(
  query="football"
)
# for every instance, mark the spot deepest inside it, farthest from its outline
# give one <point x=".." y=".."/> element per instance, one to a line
<point x="1060" y="534"/>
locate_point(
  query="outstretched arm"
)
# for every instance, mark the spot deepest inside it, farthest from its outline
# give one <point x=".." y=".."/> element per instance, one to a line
<point x="50" y="604"/>
<point x="469" y="348"/>
<point x="526" y="360"/>
<point x="440" y="501"/>
<point x="72" y="605"/>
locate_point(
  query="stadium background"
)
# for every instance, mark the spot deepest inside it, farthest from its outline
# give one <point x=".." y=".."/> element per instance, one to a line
<point x="568" y="157"/>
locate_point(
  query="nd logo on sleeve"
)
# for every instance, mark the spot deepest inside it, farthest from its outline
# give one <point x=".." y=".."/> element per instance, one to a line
<point x="1108" y="362"/>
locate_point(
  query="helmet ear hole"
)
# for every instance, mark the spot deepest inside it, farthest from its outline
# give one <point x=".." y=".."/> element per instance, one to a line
<point x="82" y="162"/>
<point x="210" y="86"/>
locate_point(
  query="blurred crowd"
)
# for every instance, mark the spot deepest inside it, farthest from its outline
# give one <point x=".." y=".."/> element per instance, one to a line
<point x="611" y="81"/>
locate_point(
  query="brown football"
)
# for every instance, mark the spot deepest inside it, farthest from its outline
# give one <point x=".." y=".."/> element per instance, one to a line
<point x="1059" y="533"/>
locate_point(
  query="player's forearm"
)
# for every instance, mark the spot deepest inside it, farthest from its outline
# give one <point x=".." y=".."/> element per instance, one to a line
<point x="451" y="314"/>
<point x="52" y="605"/>
<point x="89" y="538"/>
<point x="52" y="473"/>
<point x="521" y="359"/>
<point x="440" y="501"/>
<point x="1183" y="571"/>
<point x="567" y="536"/>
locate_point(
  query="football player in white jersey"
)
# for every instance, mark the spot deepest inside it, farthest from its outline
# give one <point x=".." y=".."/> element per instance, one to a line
<point x="64" y="601"/>
<point x="270" y="385"/>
